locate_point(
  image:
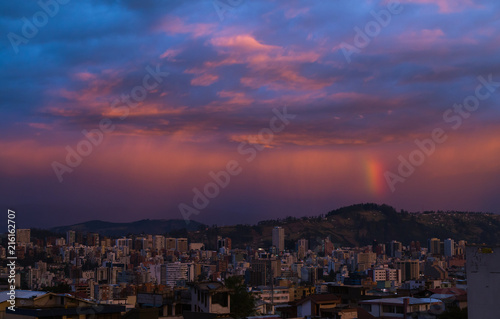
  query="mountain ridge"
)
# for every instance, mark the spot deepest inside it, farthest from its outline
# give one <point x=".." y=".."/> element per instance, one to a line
<point x="146" y="226"/>
<point x="353" y="225"/>
<point x="360" y="224"/>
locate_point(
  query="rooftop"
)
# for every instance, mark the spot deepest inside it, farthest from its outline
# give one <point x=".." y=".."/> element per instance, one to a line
<point x="400" y="301"/>
<point x="320" y="298"/>
<point x="21" y="294"/>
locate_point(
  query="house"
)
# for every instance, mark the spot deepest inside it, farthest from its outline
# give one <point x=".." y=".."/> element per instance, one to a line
<point x="452" y="297"/>
<point x="6" y="298"/>
<point x="314" y="305"/>
<point x="350" y="294"/>
<point x="210" y="297"/>
<point x="60" y="306"/>
<point x="402" y="307"/>
<point x="336" y="313"/>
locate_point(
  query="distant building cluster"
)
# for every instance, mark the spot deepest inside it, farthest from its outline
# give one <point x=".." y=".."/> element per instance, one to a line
<point x="162" y="276"/>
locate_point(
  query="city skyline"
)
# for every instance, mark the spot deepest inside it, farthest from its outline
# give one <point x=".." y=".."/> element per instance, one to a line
<point x="228" y="114"/>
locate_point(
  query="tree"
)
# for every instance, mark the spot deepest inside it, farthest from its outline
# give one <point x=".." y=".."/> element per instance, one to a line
<point x="242" y="301"/>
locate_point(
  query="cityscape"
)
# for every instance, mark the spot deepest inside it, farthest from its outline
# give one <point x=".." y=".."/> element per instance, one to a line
<point x="208" y="275"/>
<point x="250" y="159"/>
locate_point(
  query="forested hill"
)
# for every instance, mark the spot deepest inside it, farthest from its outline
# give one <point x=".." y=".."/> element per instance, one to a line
<point x="362" y="223"/>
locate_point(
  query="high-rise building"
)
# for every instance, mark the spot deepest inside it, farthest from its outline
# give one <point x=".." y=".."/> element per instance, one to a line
<point x="384" y="274"/>
<point x="460" y="248"/>
<point x="449" y="247"/>
<point x="364" y="261"/>
<point x="263" y="271"/>
<point x="124" y="242"/>
<point x="70" y="237"/>
<point x="435" y="246"/>
<point x="60" y="241"/>
<point x="170" y="243"/>
<point x="395" y="249"/>
<point x="279" y="238"/>
<point x="149" y="241"/>
<point x="327" y="247"/>
<point x="181" y="244"/>
<point x="80" y="238"/>
<point x="139" y="243"/>
<point x="92" y="239"/>
<point x="223" y="243"/>
<point x="173" y="272"/>
<point x="302" y="247"/>
<point x="393" y="275"/>
<point x="23" y="236"/>
<point x="410" y="269"/>
<point x="378" y="274"/>
<point x="158" y="242"/>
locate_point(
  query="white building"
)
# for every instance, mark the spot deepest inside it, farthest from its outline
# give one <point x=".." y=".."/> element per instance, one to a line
<point x="379" y="275"/>
<point x="210" y="297"/>
<point x="397" y="307"/>
<point x="173" y="272"/>
<point x="273" y="295"/>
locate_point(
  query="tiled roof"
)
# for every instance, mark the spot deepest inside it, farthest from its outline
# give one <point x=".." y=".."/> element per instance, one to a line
<point x="446" y="291"/>
<point x="320" y="298"/>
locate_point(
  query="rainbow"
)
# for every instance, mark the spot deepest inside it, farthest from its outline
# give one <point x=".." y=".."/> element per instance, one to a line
<point x="374" y="176"/>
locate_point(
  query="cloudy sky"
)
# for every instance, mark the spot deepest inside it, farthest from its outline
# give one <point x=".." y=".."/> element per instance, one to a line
<point x="179" y="89"/>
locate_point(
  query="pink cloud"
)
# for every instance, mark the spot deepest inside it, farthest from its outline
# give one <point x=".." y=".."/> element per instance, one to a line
<point x="447" y="6"/>
<point x="175" y="25"/>
<point x="245" y="42"/>
<point x="273" y="66"/>
<point x="85" y="76"/>
<point x="170" y="54"/>
<point x="146" y="109"/>
<point x="41" y="126"/>
<point x="205" y="79"/>
<point x="235" y="97"/>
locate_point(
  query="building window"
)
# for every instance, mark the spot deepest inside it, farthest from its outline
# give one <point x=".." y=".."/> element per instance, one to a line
<point x="388" y="309"/>
<point x="220" y="298"/>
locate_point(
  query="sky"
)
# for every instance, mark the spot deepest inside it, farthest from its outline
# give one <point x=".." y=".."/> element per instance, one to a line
<point x="235" y="111"/>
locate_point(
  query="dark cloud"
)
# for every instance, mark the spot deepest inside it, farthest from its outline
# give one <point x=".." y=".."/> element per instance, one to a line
<point x="225" y="78"/>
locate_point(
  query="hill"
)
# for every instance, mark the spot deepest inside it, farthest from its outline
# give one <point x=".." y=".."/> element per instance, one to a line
<point x="360" y="224"/>
<point x="145" y="226"/>
<point x="354" y="225"/>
